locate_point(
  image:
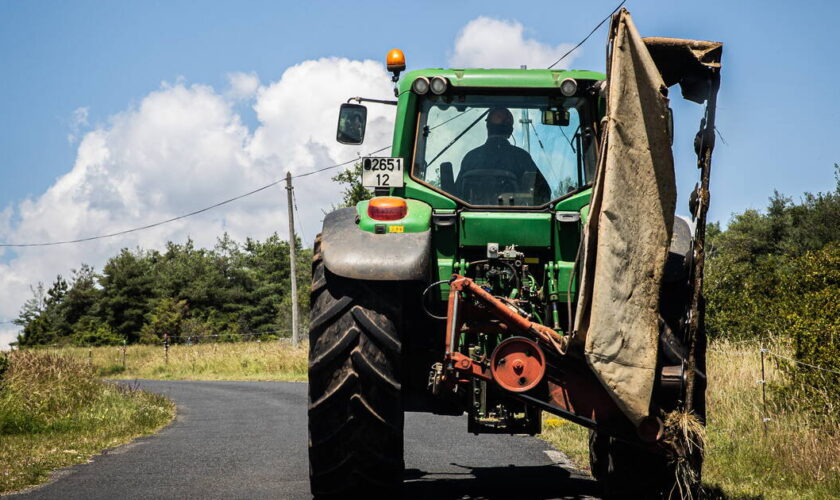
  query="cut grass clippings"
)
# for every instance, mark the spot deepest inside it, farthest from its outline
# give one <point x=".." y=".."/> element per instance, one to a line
<point x="55" y="412"/>
<point x="798" y="458"/>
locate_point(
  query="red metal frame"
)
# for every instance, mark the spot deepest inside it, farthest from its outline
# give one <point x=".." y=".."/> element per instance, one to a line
<point x="569" y="388"/>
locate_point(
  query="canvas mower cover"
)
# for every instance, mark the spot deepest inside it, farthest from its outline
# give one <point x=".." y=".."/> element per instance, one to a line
<point x="628" y="230"/>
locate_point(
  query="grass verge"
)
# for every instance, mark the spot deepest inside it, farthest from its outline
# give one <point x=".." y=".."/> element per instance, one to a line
<point x="799" y="457"/>
<point x="55" y="412"/>
<point x="274" y="360"/>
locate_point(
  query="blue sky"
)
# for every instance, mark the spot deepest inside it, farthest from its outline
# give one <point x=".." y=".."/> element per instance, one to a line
<point x="86" y="85"/>
<point x="778" y="112"/>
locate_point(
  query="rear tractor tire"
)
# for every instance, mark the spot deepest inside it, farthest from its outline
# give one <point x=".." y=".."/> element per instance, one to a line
<point x="355" y="386"/>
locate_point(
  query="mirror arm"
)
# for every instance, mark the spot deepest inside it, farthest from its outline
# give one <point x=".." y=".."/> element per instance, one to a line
<point x="365" y="99"/>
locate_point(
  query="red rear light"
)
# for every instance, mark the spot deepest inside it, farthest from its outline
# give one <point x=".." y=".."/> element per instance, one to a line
<point x="387" y="208"/>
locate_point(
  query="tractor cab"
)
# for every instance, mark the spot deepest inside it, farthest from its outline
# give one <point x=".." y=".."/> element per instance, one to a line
<point x="492" y="139"/>
<point x="492" y="159"/>
<point x="504" y="149"/>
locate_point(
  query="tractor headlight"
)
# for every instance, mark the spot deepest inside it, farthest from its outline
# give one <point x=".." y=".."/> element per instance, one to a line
<point x="439" y="85"/>
<point x="568" y="87"/>
<point x="420" y="85"/>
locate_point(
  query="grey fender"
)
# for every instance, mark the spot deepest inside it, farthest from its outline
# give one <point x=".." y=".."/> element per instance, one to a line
<point x="352" y="253"/>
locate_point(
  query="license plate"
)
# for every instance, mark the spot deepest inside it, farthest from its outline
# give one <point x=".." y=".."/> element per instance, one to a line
<point x="382" y="172"/>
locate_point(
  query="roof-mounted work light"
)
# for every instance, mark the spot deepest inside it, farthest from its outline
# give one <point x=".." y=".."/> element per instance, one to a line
<point x="420" y="86"/>
<point x="439" y="85"/>
<point x="568" y="87"/>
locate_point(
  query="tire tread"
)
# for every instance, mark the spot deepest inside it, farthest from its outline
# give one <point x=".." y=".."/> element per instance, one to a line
<point x="355" y="409"/>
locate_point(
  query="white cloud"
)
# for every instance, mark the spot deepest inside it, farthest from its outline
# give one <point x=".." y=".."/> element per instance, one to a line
<point x="5" y="222"/>
<point x="493" y="43"/>
<point x="184" y="147"/>
<point x="243" y="85"/>
<point x="78" y="121"/>
<point x="292" y="120"/>
<point x="7" y="335"/>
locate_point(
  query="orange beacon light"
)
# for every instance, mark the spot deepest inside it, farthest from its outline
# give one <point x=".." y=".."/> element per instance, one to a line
<point x="395" y="61"/>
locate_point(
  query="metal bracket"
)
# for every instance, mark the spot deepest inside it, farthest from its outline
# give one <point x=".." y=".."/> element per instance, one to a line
<point x="378" y="101"/>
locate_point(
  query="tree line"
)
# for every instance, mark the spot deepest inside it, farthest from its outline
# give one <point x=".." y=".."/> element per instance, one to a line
<point x="231" y="290"/>
<point x="771" y="273"/>
<point x="775" y="275"/>
<point x="140" y="295"/>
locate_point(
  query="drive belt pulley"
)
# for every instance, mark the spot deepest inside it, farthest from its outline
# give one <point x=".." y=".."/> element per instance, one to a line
<point x="517" y="364"/>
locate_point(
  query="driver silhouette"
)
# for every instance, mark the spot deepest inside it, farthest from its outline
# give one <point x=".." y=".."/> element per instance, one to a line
<point x="514" y="170"/>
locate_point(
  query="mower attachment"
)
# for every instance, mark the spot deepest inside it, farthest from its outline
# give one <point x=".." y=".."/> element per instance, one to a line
<point x="532" y="367"/>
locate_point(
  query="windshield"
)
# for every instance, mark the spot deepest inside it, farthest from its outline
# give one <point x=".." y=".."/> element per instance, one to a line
<point x="504" y="150"/>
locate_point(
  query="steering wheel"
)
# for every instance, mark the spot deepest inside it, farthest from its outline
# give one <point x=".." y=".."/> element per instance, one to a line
<point x="484" y="185"/>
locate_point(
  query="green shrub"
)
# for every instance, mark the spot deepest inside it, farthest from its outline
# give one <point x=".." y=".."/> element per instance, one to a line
<point x="809" y="308"/>
<point x="4" y="366"/>
<point x="233" y="333"/>
<point x="197" y="330"/>
<point x="165" y="319"/>
<point x="91" y="331"/>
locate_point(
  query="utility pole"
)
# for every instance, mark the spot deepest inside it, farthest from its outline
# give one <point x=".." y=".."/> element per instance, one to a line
<point x="292" y="242"/>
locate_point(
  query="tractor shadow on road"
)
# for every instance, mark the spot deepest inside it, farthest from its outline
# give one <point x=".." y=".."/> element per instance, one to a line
<point x="525" y="482"/>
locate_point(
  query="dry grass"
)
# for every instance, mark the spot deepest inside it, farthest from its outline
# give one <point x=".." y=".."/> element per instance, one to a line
<point x="799" y="457"/>
<point x="685" y="434"/>
<point x="274" y="360"/>
<point x="54" y="412"/>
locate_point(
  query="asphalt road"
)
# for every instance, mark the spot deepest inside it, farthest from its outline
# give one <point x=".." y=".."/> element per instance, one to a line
<point x="248" y="440"/>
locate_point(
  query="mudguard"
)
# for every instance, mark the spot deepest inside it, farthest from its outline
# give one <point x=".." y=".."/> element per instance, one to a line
<point x="352" y="253"/>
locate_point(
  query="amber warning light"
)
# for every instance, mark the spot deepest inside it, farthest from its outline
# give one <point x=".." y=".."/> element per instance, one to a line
<point x="387" y="208"/>
<point x="395" y="62"/>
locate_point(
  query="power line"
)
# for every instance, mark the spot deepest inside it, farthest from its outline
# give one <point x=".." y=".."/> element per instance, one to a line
<point x="587" y="36"/>
<point x="255" y="191"/>
<point x="184" y="216"/>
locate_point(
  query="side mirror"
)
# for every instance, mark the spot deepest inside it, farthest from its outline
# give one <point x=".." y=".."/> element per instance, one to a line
<point x="352" y="119"/>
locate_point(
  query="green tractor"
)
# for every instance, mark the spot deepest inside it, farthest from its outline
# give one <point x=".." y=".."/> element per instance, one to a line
<point x="520" y="256"/>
